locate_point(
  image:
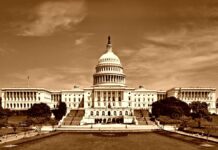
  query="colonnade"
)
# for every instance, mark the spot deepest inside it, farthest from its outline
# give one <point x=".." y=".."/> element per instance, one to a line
<point x="194" y="95"/>
<point x="56" y="97"/>
<point x="100" y="113"/>
<point x="108" y="68"/>
<point x="108" y="95"/>
<point x="20" y="95"/>
<point x="161" y="96"/>
<point x="19" y="105"/>
<point x="109" y="79"/>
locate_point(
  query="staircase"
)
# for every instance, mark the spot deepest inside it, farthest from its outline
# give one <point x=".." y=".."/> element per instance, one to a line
<point x="74" y="117"/>
<point x="78" y="117"/>
<point x="142" y="116"/>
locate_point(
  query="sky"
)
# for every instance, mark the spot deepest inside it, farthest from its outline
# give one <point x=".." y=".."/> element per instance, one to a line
<point x="57" y="43"/>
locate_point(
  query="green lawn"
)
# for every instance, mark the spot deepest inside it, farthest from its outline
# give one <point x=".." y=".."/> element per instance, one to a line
<point x="145" y="141"/>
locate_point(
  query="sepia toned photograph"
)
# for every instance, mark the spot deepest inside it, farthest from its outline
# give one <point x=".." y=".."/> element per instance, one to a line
<point x="108" y="74"/>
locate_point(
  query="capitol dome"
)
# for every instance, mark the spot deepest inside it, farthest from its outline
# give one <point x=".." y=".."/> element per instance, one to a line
<point x="109" y="57"/>
<point x="109" y="71"/>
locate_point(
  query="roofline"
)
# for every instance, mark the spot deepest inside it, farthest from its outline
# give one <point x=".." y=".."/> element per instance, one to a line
<point x="192" y="88"/>
<point x="24" y="88"/>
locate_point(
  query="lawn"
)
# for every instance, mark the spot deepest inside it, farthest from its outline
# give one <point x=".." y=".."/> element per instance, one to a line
<point x="145" y="141"/>
<point x="16" y="119"/>
<point x="215" y="119"/>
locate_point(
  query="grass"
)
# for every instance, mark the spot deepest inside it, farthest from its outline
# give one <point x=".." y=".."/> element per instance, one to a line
<point x="4" y="131"/>
<point x="16" y="119"/>
<point x="76" y="141"/>
<point x="215" y="119"/>
<point x="212" y="132"/>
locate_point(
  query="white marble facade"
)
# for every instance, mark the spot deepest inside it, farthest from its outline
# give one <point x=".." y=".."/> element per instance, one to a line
<point x="109" y="98"/>
<point x="201" y="94"/>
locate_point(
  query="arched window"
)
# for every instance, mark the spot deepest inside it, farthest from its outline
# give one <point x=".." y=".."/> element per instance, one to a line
<point x="120" y="113"/>
<point x="91" y="113"/>
<point x="103" y="113"/>
<point x="126" y="113"/>
<point x="115" y="113"/>
<point x="97" y="113"/>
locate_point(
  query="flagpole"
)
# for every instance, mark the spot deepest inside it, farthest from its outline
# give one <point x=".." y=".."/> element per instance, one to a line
<point x="28" y="84"/>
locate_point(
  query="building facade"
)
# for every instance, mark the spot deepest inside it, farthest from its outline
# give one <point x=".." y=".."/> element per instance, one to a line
<point x="24" y="98"/>
<point x="189" y="95"/>
<point x="109" y="98"/>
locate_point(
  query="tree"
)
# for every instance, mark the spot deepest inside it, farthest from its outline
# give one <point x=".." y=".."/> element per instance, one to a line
<point x="39" y="113"/>
<point x="39" y="110"/>
<point x="3" y="117"/>
<point x="170" y="106"/>
<point x="199" y="108"/>
<point x="217" y="103"/>
<point x="61" y="111"/>
<point x="53" y="122"/>
<point x="14" y="127"/>
<point x="199" y="111"/>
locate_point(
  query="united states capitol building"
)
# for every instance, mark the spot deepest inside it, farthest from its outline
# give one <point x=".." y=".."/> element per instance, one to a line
<point x="109" y="99"/>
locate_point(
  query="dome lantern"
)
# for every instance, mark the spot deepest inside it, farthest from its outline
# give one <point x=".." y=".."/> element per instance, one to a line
<point x="109" y="45"/>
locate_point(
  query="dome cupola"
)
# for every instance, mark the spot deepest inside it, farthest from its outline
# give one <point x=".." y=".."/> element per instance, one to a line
<point x="109" y="57"/>
<point x="109" y="71"/>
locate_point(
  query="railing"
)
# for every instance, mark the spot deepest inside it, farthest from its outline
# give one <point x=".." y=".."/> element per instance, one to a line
<point x="62" y="120"/>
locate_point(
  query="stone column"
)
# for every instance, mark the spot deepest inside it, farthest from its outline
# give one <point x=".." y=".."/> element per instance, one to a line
<point x="106" y="97"/>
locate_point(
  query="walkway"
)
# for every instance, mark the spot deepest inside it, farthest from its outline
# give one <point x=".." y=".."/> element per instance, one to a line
<point x="212" y="139"/>
<point x="13" y="137"/>
<point x="108" y="128"/>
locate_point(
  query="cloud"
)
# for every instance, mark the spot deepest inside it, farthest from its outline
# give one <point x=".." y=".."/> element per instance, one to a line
<point x="5" y="51"/>
<point x="2" y="51"/>
<point x="179" y="58"/>
<point x="51" y="78"/>
<point x="80" y="41"/>
<point x="52" y="16"/>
